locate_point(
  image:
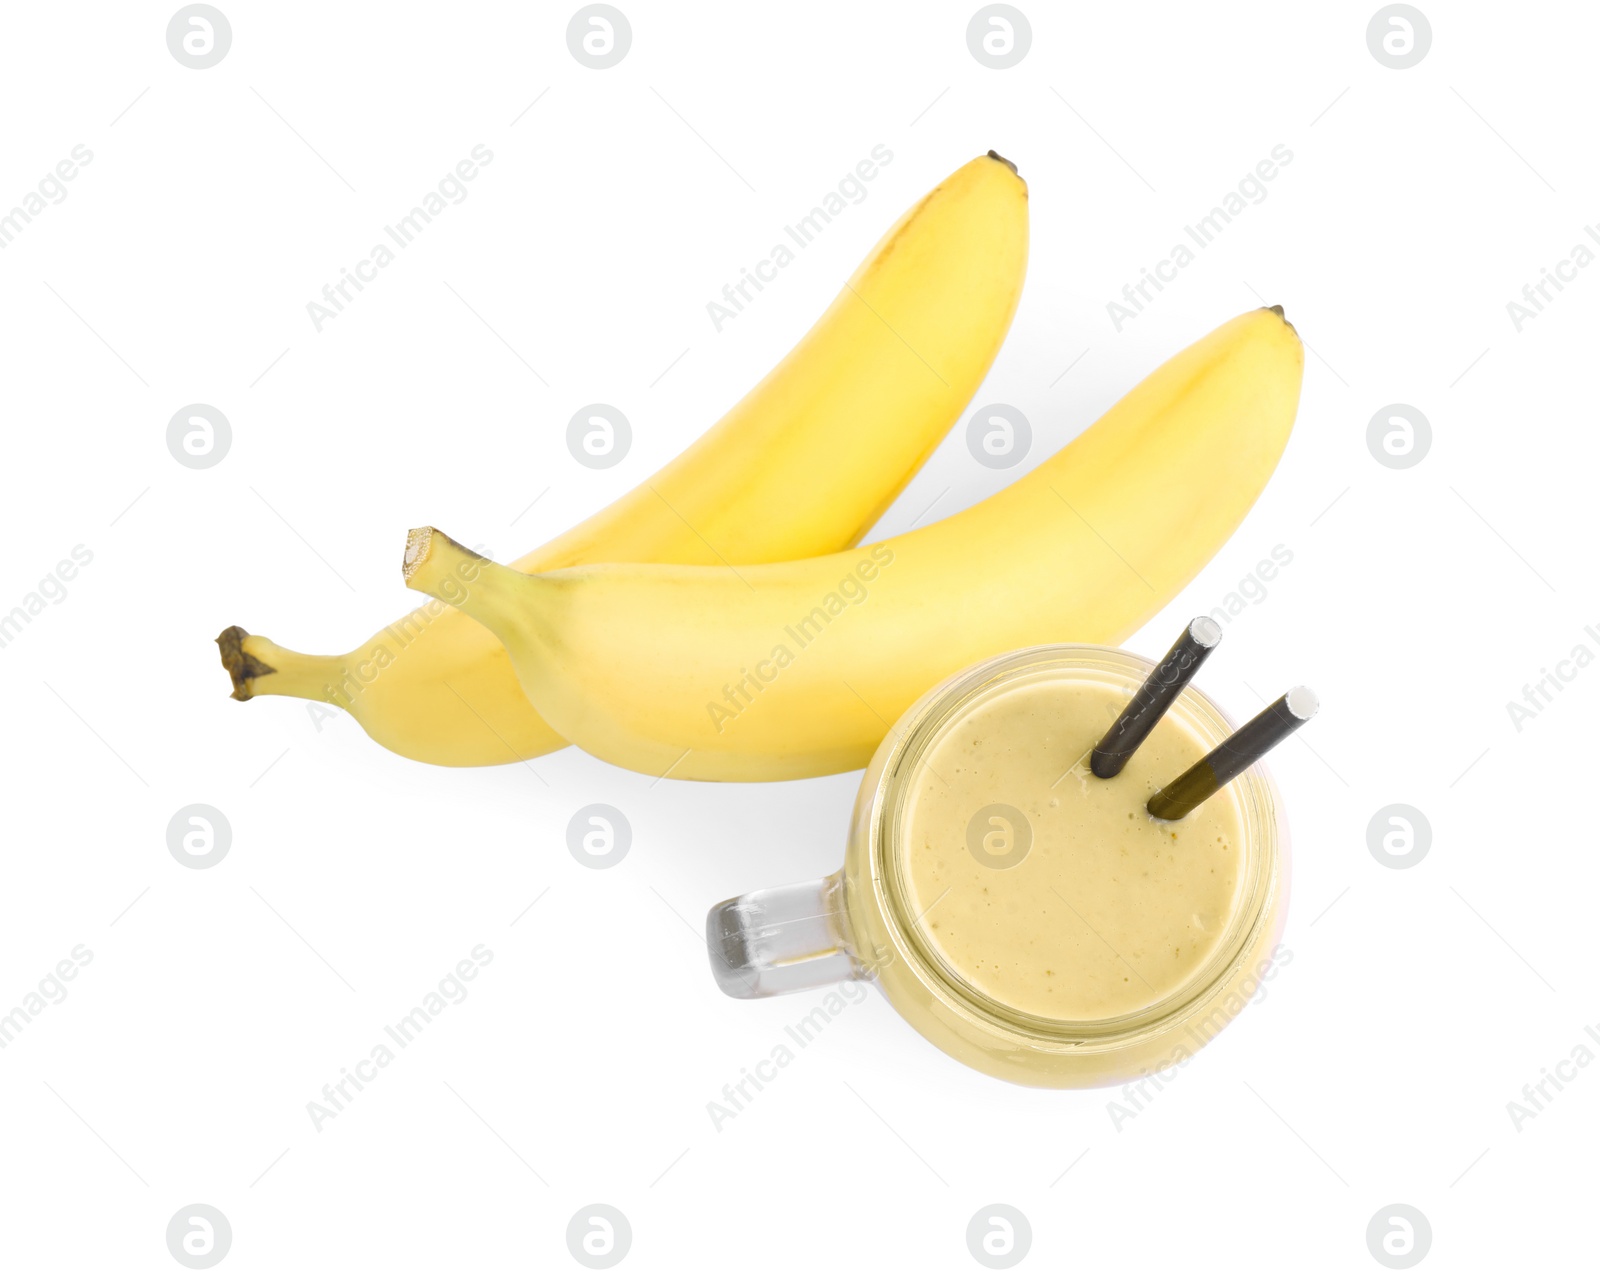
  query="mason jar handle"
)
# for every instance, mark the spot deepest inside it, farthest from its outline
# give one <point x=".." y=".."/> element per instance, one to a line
<point x="786" y="939"/>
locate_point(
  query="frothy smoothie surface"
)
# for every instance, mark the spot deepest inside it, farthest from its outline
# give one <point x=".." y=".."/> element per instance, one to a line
<point x="1108" y="910"/>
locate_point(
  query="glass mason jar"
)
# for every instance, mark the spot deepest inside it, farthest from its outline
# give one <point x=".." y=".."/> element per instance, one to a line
<point x="859" y="922"/>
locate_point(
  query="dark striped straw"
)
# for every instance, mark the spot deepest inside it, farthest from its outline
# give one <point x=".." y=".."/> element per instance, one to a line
<point x="1156" y="696"/>
<point x="1246" y="746"/>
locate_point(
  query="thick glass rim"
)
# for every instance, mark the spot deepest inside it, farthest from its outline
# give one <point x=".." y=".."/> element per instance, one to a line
<point x="1256" y="795"/>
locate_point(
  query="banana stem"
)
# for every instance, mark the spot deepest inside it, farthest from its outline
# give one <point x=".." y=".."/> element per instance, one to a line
<point x="482" y="588"/>
<point x="259" y="666"/>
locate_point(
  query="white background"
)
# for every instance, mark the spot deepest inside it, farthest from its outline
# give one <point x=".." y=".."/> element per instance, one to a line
<point x="219" y="1002"/>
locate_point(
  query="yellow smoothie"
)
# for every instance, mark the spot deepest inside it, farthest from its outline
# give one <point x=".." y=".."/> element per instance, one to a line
<point x="1047" y="890"/>
<point x="1076" y="941"/>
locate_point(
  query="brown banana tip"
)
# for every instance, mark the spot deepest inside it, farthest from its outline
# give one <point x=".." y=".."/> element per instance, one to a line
<point x="1278" y="310"/>
<point x="241" y="665"/>
<point x="997" y="155"/>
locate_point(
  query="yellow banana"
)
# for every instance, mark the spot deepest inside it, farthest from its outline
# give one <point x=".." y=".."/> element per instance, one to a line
<point x="799" y="668"/>
<point x="803" y="464"/>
